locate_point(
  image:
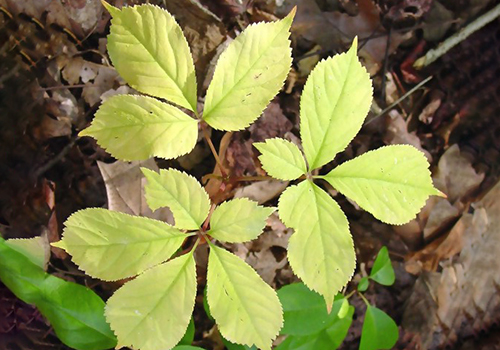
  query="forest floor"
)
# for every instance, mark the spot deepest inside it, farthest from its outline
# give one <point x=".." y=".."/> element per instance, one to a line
<point x="54" y="72"/>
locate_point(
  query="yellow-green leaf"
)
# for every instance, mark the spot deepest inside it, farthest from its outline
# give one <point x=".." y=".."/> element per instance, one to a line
<point x="249" y="73"/>
<point x="111" y="245"/>
<point x="245" y="308"/>
<point x="133" y="127"/>
<point x="148" y="49"/>
<point x="239" y="220"/>
<point x="392" y="182"/>
<point x="182" y="193"/>
<point x="152" y="312"/>
<point x="281" y="159"/>
<point x="321" y="251"/>
<point x="334" y="104"/>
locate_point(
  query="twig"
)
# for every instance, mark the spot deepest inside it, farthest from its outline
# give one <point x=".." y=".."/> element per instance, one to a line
<point x="405" y="96"/>
<point x="44" y="168"/>
<point x="386" y="63"/>
<point x="456" y="38"/>
<point x="212" y="148"/>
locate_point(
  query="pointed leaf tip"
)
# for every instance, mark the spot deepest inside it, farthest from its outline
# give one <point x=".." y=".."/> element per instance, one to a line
<point x="291" y="15"/>
<point x="354" y="45"/>
<point x="111" y="9"/>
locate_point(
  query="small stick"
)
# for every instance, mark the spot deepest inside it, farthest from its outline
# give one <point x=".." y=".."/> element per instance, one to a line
<point x="456" y="38"/>
<point x="214" y="152"/>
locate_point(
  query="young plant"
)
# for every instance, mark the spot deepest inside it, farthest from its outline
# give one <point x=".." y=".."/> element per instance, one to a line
<point x="152" y="311"/>
<point x="392" y="183"/>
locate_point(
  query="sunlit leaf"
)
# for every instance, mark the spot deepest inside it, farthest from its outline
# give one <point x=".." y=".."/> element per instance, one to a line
<point x="239" y="220"/>
<point x="333" y="106"/>
<point x="245" y="308"/>
<point x="281" y="159"/>
<point x="188" y="336"/>
<point x="133" y="127"/>
<point x="321" y="250"/>
<point x="111" y="245"/>
<point x="75" y="312"/>
<point x="152" y="312"/>
<point x="148" y="49"/>
<point x="180" y="192"/>
<point x="392" y="182"/>
<point x="379" y="330"/>
<point x="249" y="73"/>
<point x="37" y="249"/>
<point x="382" y="271"/>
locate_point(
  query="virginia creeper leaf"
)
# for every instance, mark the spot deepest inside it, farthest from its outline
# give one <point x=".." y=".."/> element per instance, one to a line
<point x="392" y="182"/>
<point x="379" y="330"/>
<point x="152" y="312"/>
<point x="333" y="106"/>
<point x="321" y="251"/>
<point x="75" y="312"/>
<point x="281" y="159"/>
<point x="239" y="220"/>
<point x="382" y="271"/>
<point x="249" y="73"/>
<point x="133" y="127"/>
<point x="111" y="245"/>
<point x="179" y="191"/>
<point x="148" y="49"/>
<point x="245" y="308"/>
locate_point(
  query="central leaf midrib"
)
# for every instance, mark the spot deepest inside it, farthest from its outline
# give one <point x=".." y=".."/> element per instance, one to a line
<point x="357" y="178"/>
<point x="234" y="88"/>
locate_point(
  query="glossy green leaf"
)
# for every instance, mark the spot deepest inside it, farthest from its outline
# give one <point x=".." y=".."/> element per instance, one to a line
<point x="152" y="312"/>
<point x="249" y="73"/>
<point x="379" y="330"/>
<point x="238" y="220"/>
<point x="334" y="104"/>
<point x="188" y="337"/>
<point x="382" y="271"/>
<point x="304" y="311"/>
<point x="148" y="49"/>
<point x="246" y="310"/>
<point x="36" y="249"/>
<point x="321" y="251"/>
<point x="111" y="245"/>
<point x="75" y="312"/>
<point x="281" y="159"/>
<point x="133" y="127"/>
<point x="328" y="339"/>
<point x="179" y="191"/>
<point x="344" y="308"/>
<point x="392" y="182"/>
<point x="363" y="284"/>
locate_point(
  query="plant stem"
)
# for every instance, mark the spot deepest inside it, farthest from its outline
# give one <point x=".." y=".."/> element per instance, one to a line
<point x="364" y="299"/>
<point x="212" y="148"/>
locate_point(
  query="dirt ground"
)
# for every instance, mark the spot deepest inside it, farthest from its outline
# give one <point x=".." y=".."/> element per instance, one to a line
<point x="54" y="72"/>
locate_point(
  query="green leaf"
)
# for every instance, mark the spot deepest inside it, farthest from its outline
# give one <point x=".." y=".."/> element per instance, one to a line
<point x="75" y="312"/>
<point x="111" y="245"/>
<point x="304" y="311"/>
<point x="379" y="330"/>
<point x="344" y="308"/>
<point x="187" y="347"/>
<point x="179" y="191"/>
<point x="382" y="271"/>
<point x="281" y="159"/>
<point x="152" y="312"/>
<point x="233" y="346"/>
<point x="334" y="104"/>
<point x="133" y="127"/>
<point x="148" y="49"/>
<point x="245" y="308"/>
<point x="363" y="284"/>
<point x="327" y="339"/>
<point x="188" y="337"/>
<point x="239" y="220"/>
<point x="392" y="182"/>
<point x="249" y="73"/>
<point x="36" y="249"/>
<point x="321" y="251"/>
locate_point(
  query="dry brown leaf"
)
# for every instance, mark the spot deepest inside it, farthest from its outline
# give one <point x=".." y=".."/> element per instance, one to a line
<point x="125" y="189"/>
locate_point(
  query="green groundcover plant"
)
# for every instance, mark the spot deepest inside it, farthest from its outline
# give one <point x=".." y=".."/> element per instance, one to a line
<point x="153" y="310"/>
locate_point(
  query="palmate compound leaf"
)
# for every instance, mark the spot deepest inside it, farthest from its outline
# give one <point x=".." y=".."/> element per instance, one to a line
<point x="392" y="182"/>
<point x="246" y="309"/>
<point x="239" y="220"/>
<point x="333" y="106"/>
<point x="321" y="251"/>
<point x="180" y="192"/>
<point x="281" y="159"/>
<point x="148" y="49"/>
<point x="111" y="245"/>
<point x="152" y="312"/>
<point x="249" y="73"/>
<point x="133" y="127"/>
